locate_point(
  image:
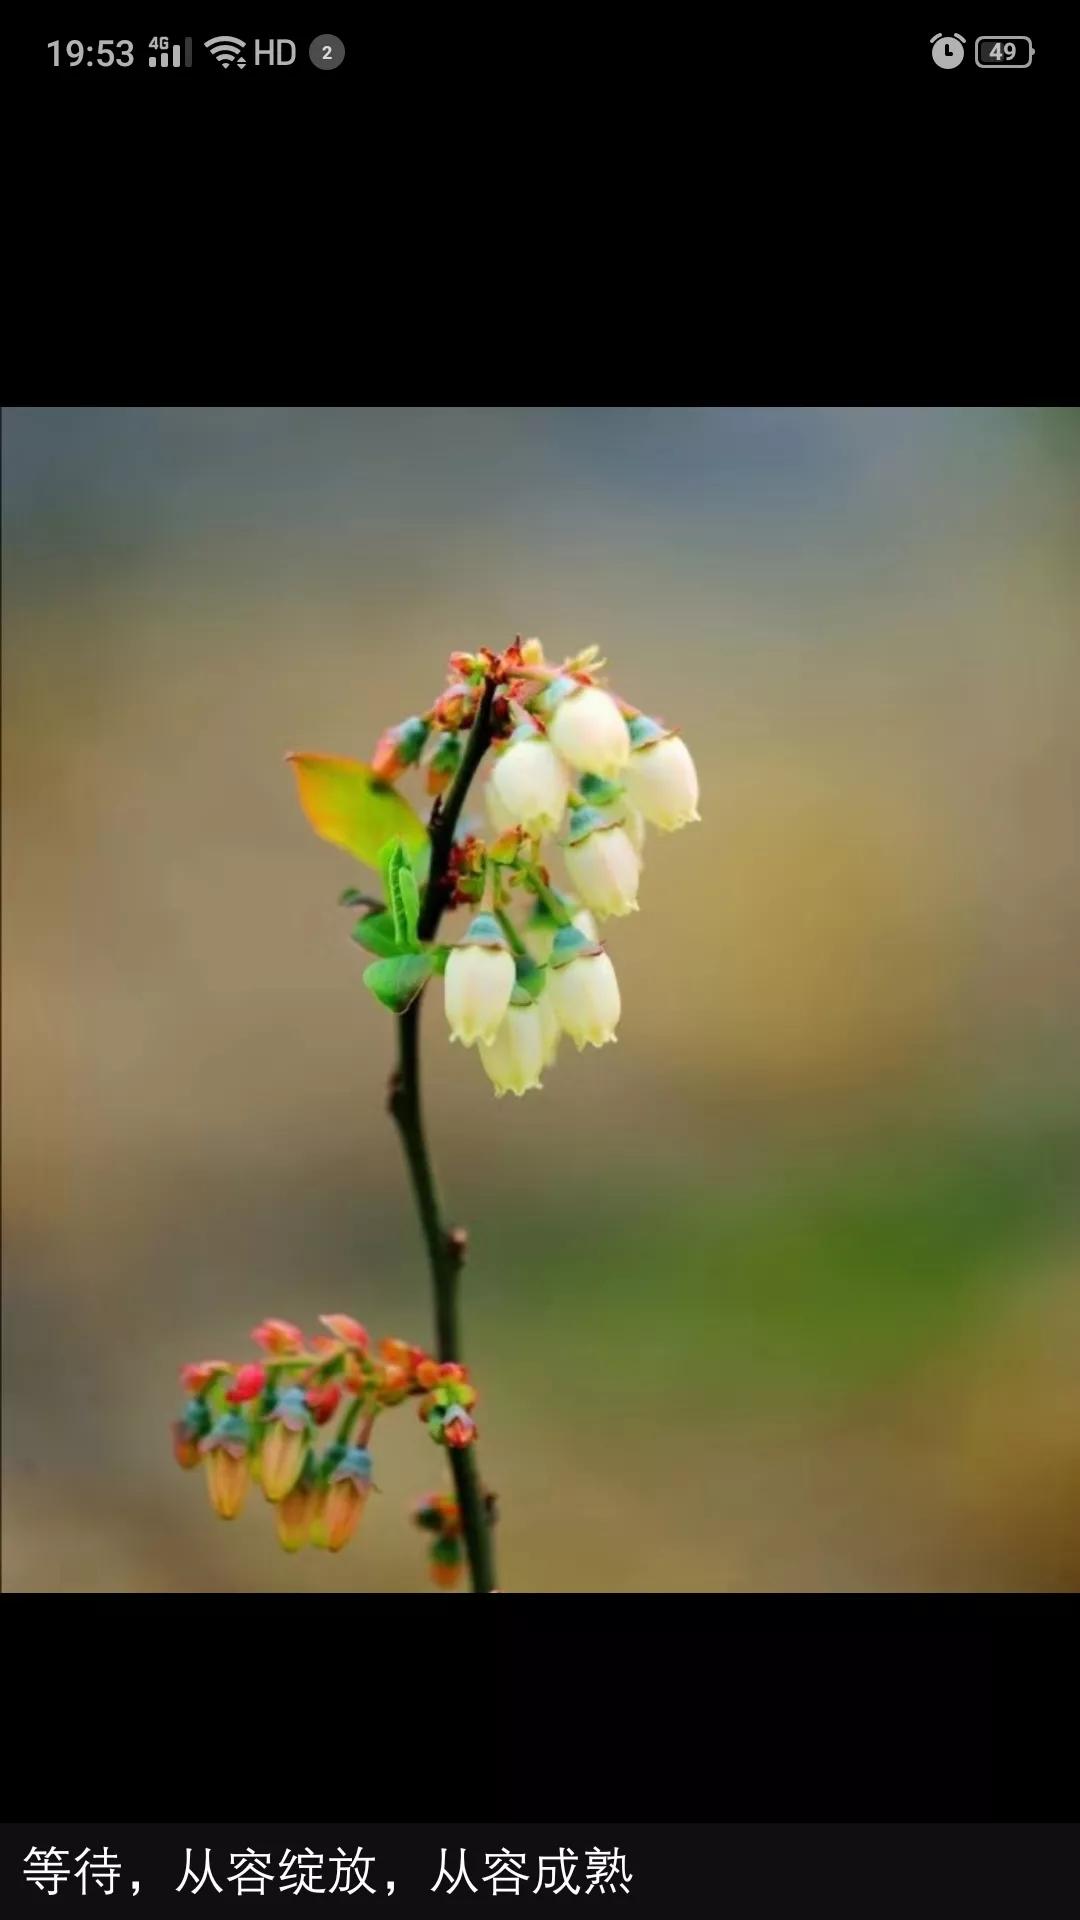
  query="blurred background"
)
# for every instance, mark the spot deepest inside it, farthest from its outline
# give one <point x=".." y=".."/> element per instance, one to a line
<point x="781" y="1292"/>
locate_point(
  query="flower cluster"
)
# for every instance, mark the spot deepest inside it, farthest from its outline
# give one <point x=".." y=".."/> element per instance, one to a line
<point x="259" y="1421"/>
<point x="574" y="768"/>
<point x="439" y="1515"/>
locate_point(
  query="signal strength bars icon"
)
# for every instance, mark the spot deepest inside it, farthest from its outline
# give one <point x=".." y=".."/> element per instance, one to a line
<point x="226" y="49"/>
<point x="167" y="56"/>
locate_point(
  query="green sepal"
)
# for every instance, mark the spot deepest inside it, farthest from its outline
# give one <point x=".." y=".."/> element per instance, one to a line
<point x="411" y="738"/>
<point x="570" y="944"/>
<point x="531" y="979"/>
<point x="599" y="793"/>
<point x="375" y="933"/>
<point x="558" y="691"/>
<point x="397" y="982"/>
<point x="645" y="732"/>
<point x="484" y="931"/>
<point x="583" y="821"/>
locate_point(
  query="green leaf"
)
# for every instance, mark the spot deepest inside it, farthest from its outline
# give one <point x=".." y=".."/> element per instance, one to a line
<point x="531" y="976"/>
<point x="410" y="899"/>
<point x="397" y="982"/>
<point x="375" y="932"/>
<point x="348" y="805"/>
<point x="420" y="861"/>
<point x="402" y="893"/>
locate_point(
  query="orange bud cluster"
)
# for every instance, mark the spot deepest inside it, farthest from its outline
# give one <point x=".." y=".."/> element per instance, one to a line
<point x="439" y="1515"/>
<point x="259" y="1421"/>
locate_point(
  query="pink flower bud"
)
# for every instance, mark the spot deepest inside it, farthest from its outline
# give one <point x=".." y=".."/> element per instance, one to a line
<point x="345" y="1328"/>
<point x="250" y="1381"/>
<point x="278" y="1337"/>
<point x="197" y="1375"/>
<point x="323" y="1401"/>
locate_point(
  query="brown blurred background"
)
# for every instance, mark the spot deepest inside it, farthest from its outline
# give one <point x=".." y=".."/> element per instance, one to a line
<point x="783" y="1291"/>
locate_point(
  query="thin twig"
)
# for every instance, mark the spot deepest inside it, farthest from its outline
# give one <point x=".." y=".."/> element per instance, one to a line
<point x="445" y="1245"/>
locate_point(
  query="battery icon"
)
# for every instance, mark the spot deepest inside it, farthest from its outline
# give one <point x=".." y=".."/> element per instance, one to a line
<point x="1003" y="51"/>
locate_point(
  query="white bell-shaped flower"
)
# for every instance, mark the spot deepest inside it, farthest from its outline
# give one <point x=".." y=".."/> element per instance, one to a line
<point x="549" y="1025"/>
<point x="660" y="777"/>
<point x="514" y="1059"/>
<point x="586" y="727"/>
<point x="531" y="783"/>
<point x="584" y="989"/>
<point x="478" y="982"/>
<point x="500" y="818"/>
<point x="603" y="867"/>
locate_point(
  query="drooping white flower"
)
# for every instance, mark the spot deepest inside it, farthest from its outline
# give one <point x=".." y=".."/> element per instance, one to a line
<point x="530" y="782"/>
<point x="661" y="778"/>
<point x="587" y="728"/>
<point x="514" y="1059"/>
<point x="602" y="864"/>
<point x="549" y="1025"/>
<point x="634" y="827"/>
<point x="584" y="989"/>
<point x="478" y="982"/>
<point x="500" y="818"/>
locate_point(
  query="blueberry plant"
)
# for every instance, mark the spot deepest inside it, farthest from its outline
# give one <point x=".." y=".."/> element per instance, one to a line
<point x="573" y="768"/>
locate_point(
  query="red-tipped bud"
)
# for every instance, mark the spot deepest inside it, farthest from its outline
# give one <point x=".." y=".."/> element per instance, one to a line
<point x="401" y="1354"/>
<point x="452" y="706"/>
<point x="444" y="1563"/>
<point x="323" y="1402"/>
<point x="346" y="1329"/>
<point x="250" y="1381"/>
<point x="197" y="1375"/>
<point x="395" y="1383"/>
<point x="459" y="1428"/>
<point x="427" y="1373"/>
<point x="399" y="747"/>
<point x="355" y="1373"/>
<point x="278" y="1337"/>
<point x="185" y="1445"/>
<point x="450" y="1370"/>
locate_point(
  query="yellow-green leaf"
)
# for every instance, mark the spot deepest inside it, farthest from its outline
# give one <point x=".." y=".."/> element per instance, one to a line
<point x="348" y="805"/>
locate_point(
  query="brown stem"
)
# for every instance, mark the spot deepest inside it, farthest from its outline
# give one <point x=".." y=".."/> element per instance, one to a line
<point x="445" y="1245"/>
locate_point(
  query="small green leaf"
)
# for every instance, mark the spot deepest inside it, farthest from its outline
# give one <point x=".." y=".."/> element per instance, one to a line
<point x="410" y="899"/>
<point x="375" y="932"/>
<point x="397" y="982"/>
<point x="531" y="976"/>
<point x="420" y="860"/>
<point x="402" y="893"/>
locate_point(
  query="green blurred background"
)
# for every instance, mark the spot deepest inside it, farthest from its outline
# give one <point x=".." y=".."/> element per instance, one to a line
<point x="781" y="1292"/>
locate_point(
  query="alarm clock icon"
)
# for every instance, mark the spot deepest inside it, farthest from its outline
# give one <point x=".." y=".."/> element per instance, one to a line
<point x="948" y="49"/>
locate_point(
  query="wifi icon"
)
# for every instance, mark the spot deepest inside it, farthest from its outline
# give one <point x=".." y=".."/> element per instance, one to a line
<point x="226" y="49"/>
